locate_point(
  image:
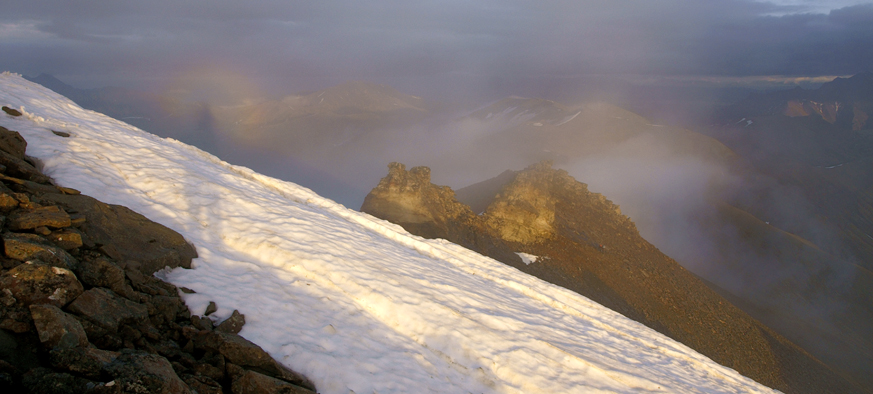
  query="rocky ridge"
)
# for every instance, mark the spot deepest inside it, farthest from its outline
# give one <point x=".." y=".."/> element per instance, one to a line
<point x="584" y="243"/>
<point x="80" y="311"/>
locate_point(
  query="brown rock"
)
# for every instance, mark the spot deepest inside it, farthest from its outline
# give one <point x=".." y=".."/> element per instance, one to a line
<point x="66" y="239"/>
<point x="68" y="190"/>
<point x="166" y="307"/>
<point x="36" y="283"/>
<point x="13" y="143"/>
<point x="202" y="384"/>
<point x="209" y="371"/>
<point x="24" y="247"/>
<point x="127" y="235"/>
<point x="33" y="187"/>
<point x="19" y="168"/>
<point x="252" y="382"/>
<point x="233" y="324"/>
<point x="107" y="310"/>
<point x="101" y="272"/>
<point x="86" y="361"/>
<point x="11" y="111"/>
<point x="51" y="216"/>
<point x="201" y="323"/>
<point x="210" y="309"/>
<point x="146" y="373"/>
<point x="15" y="317"/>
<point x="237" y="350"/>
<point x="57" y="329"/>
<point x="44" y="380"/>
<point x="19" y="351"/>
<point x="7" y="202"/>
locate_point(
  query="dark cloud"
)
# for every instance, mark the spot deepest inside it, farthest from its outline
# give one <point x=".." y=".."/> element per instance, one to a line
<point x="429" y="44"/>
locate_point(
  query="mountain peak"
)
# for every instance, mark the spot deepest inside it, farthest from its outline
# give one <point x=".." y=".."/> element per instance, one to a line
<point x="582" y="242"/>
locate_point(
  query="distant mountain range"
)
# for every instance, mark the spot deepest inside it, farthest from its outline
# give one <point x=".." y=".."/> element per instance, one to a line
<point x="809" y="156"/>
<point x="845" y="102"/>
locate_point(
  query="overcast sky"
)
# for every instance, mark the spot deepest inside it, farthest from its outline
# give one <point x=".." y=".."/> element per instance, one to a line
<point x="431" y="45"/>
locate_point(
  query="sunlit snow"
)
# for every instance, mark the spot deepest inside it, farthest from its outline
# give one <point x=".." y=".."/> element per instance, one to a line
<point x="355" y="303"/>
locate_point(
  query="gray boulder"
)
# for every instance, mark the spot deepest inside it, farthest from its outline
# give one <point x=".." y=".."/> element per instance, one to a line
<point x="13" y="143"/>
<point x="85" y="361"/>
<point x="101" y="272"/>
<point x="240" y="351"/>
<point x="107" y="310"/>
<point x="139" y="372"/>
<point x="46" y="381"/>
<point x="252" y="382"/>
<point x="233" y="324"/>
<point x="57" y="329"/>
<point x="126" y="235"/>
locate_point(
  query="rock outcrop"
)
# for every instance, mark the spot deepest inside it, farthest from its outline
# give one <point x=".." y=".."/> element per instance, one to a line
<point x="80" y="311"/>
<point x="582" y="242"/>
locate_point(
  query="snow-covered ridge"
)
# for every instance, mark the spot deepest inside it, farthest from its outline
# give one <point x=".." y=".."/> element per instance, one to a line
<point x="355" y="303"/>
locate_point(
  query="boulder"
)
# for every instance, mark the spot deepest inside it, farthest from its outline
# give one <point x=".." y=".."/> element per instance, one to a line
<point x="14" y="316"/>
<point x="11" y="111"/>
<point x="13" y="143"/>
<point x="50" y="216"/>
<point x="24" y="247"/>
<point x="202" y="384"/>
<point x="36" y="283"/>
<point x="19" y="350"/>
<point x="166" y="308"/>
<point x="239" y="351"/>
<point x="252" y="382"/>
<point x="46" y="381"/>
<point x="127" y="235"/>
<point x="101" y="272"/>
<point x="20" y="168"/>
<point x="233" y="324"/>
<point x="8" y="376"/>
<point x="66" y="239"/>
<point x="85" y="361"/>
<point x="107" y="310"/>
<point x="210" y="309"/>
<point x="7" y="202"/>
<point x="25" y="186"/>
<point x="201" y="323"/>
<point x="57" y="329"/>
<point x="139" y="372"/>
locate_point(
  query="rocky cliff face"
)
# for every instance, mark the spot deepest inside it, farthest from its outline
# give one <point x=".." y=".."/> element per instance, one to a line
<point x="584" y="243"/>
<point x="80" y="311"/>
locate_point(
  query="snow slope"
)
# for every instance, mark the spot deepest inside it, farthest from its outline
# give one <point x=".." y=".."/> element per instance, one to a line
<point x="353" y="302"/>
